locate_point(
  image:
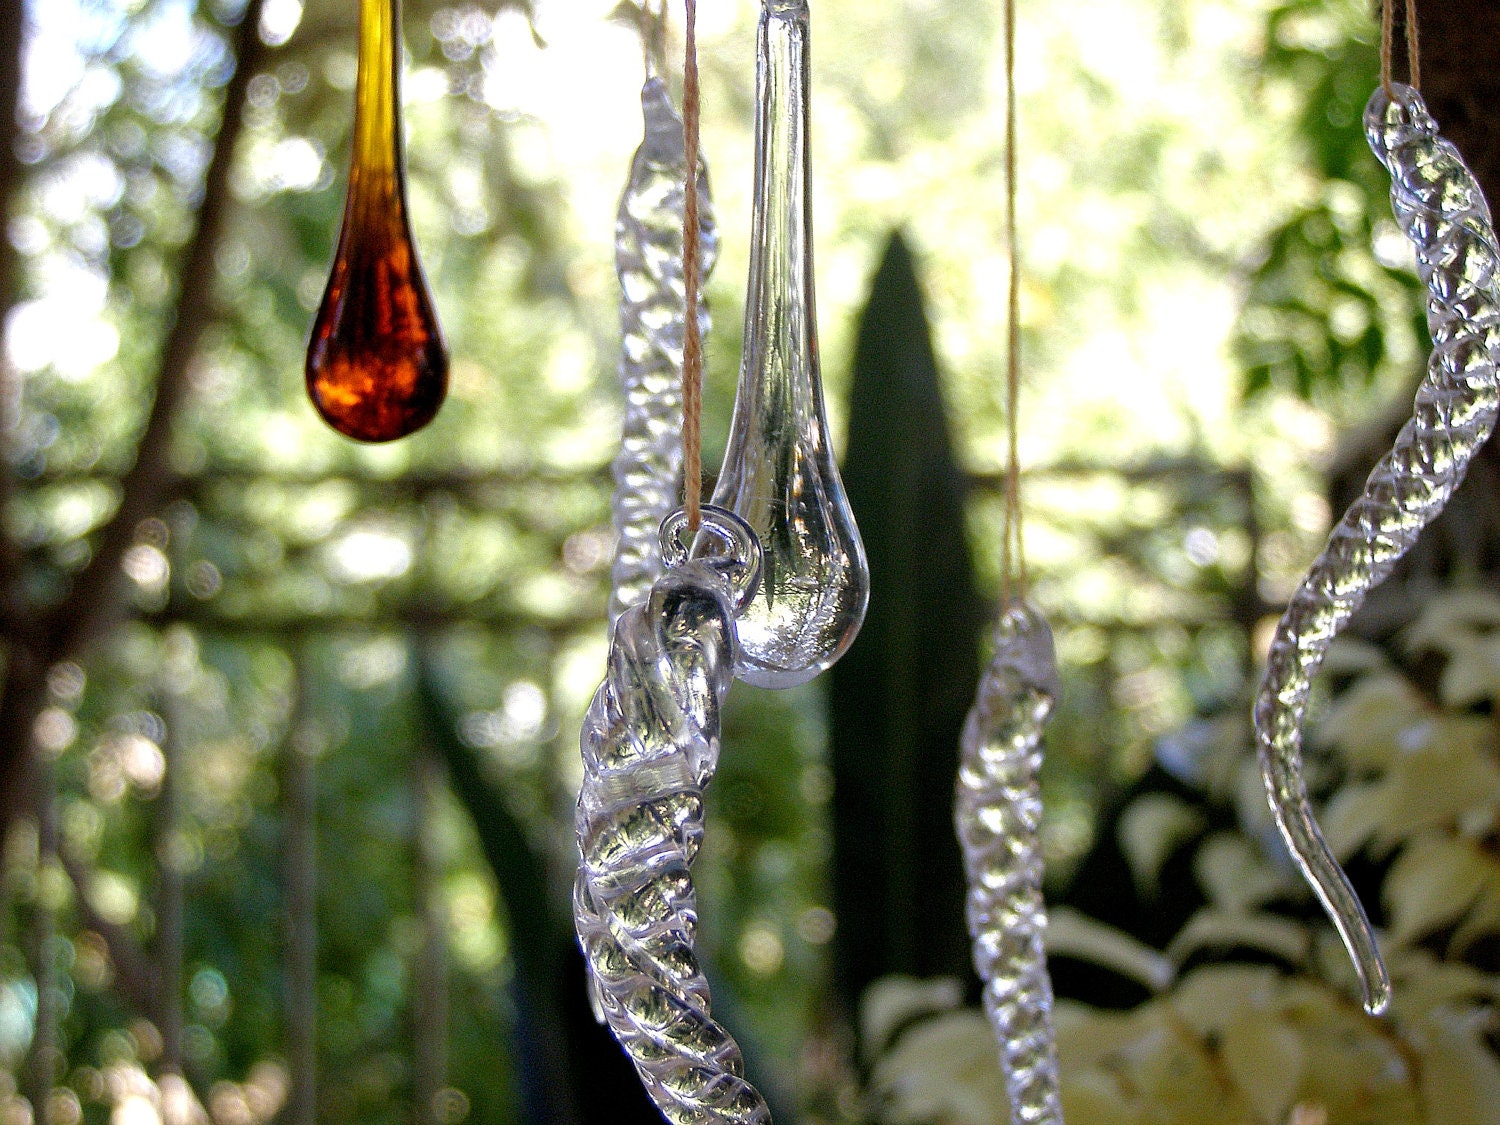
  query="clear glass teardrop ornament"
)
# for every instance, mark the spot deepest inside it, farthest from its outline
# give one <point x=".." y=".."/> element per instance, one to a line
<point x="779" y="474"/>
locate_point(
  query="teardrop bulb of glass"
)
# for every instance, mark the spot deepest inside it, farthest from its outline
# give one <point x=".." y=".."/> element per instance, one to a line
<point x="779" y="474"/>
<point x="377" y="369"/>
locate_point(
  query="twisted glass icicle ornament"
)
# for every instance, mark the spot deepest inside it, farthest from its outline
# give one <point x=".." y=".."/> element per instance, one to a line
<point x="650" y="745"/>
<point x="1440" y="207"/>
<point x="998" y="812"/>
<point x="648" y="263"/>
<point x="779" y="474"/>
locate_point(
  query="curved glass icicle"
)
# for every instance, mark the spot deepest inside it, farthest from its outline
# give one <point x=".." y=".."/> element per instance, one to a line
<point x="998" y="812"/>
<point x="650" y="745"/>
<point x="779" y="474"/>
<point x="648" y="263"/>
<point x="1439" y="205"/>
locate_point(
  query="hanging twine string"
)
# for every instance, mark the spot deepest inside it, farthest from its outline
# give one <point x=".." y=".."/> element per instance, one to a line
<point x="692" y="343"/>
<point x="1387" y="44"/>
<point x="1012" y="551"/>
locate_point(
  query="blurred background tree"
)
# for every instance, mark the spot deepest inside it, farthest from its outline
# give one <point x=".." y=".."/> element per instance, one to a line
<point x="288" y="725"/>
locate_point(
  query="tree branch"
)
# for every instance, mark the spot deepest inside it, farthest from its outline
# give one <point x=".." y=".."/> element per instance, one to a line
<point x="12" y="43"/>
<point x="96" y="601"/>
<point x="136" y="979"/>
<point x="97" y="598"/>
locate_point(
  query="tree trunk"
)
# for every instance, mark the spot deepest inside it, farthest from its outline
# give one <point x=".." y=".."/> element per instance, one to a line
<point x="300" y="958"/>
<point x="42" y="1068"/>
<point x="96" y="600"/>
<point x="1459" y="46"/>
<point x="167" y="828"/>
<point x="430" y="973"/>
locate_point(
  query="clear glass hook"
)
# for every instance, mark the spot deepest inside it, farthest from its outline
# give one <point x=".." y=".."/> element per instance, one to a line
<point x="779" y="474"/>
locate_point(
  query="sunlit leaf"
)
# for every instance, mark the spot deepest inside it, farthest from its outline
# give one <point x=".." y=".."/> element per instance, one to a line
<point x="1087" y="1037"/>
<point x="1484" y="917"/>
<point x="1431" y="884"/>
<point x="1355" y="814"/>
<point x="1211" y="928"/>
<point x="893" y="1001"/>
<point x="1352" y="655"/>
<point x="1174" y="1070"/>
<point x="1453" y="618"/>
<point x="1355" y="1066"/>
<point x="1209" y="998"/>
<point x="1367" y="722"/>
<point x="1151" y="829"/>
<point x="1454" y="771"/>
<point x="1472" y="673"/>
<point x="1425" y="983"/>
<point x="945" y="1069"/>
<point x="1235" y="873"/>
<point x="1265" y="1058"/>
<point x="1095" y="1098"/>
<point x="1072" y="934"/>
<point x="1460" y="1075"/>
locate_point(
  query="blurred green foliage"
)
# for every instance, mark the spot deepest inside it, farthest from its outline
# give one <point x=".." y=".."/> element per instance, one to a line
<point x="1323" y="313"/>
<point x="1244" y="1024"/>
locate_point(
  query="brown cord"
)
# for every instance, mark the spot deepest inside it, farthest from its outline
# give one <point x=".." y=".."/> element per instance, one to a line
<point x="1387" y="44"/>
<point x="692" y="343"/>
<point x="1012" y="552"/>
<point x="1413" y="57"/>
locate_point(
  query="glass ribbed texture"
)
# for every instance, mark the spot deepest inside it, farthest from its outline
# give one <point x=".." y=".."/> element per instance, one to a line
<point x="648" y="263"/>
<point x="998" y="813"/>
<point x="650" y="745"/>
<point x="1439" y="206"/>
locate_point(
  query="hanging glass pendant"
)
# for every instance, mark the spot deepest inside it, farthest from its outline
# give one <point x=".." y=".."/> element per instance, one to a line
<point x="650" y="745"/>
<point x="779" y="474"/>
<point x="648" y="262"/>
<point x="1439" y="205"/>
<point x="376" y="366"/>
<point x="998" y="813"/>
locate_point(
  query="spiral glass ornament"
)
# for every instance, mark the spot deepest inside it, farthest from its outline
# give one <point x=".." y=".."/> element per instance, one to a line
<point x="1440" y="207"/>
<point x="998" y="812"/>
<point x="650" y="745"/>
<point x="648" y="263"/>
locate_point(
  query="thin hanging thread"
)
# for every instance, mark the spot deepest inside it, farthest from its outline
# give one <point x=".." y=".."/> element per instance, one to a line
<point x="1387" y="45"/>
<point x="1012" y="552"/>
<point x="692" y="343"/>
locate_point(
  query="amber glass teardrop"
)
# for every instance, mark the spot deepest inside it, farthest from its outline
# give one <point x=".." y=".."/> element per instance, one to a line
<point x="377" y="369"/>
